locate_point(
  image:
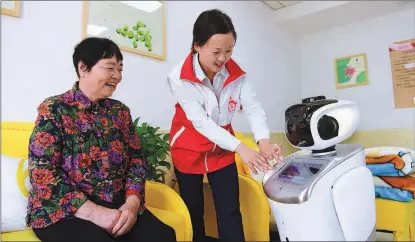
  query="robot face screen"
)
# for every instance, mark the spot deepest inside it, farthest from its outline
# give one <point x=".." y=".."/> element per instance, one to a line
<point x="298" y="132"/>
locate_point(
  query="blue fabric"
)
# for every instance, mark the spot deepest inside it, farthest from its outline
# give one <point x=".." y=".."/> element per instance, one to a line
<point x="393" y="193"/>
<point x="387" y="169"/>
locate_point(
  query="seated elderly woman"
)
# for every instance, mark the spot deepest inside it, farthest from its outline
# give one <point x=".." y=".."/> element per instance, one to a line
<point x="85" y="164"/>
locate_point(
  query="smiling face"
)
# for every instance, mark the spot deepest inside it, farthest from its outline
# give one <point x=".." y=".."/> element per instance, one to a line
<point x="215" y="53"/>
<point x="102" y="80"/>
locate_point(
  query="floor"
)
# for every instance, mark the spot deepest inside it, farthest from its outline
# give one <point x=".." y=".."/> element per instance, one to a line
<point x="380" y="236"/>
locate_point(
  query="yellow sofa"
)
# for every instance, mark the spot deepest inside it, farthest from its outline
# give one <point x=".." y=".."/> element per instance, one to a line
<point x="161" y="199"/>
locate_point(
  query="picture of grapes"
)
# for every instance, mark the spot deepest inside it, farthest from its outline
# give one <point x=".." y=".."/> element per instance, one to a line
<point x="137" y="34"/>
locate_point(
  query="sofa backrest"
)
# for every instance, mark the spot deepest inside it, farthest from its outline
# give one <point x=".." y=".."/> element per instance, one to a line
<point x="15" y="138"/>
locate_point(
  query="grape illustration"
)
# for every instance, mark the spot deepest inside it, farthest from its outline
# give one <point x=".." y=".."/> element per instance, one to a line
<point x="138" y="34"/>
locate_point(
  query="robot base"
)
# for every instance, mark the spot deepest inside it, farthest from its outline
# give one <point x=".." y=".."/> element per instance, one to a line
<point x="323" y="198"/>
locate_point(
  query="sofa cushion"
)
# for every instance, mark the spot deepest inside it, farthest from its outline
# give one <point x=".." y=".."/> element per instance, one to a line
<point x="14" y="191"/>
<point x="172" y="219"/>
<point x="25" y="235"/>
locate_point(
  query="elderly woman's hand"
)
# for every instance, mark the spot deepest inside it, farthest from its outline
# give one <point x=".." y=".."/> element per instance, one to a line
<point x="105" y="218"/>
<point x="129" y="212"/>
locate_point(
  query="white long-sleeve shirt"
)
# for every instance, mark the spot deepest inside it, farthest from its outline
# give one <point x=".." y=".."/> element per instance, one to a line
<point x="210" y="106"/>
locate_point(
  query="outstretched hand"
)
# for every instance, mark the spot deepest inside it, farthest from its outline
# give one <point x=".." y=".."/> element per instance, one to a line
<point x="270" y="151"/>
<point x="253" y="159"/>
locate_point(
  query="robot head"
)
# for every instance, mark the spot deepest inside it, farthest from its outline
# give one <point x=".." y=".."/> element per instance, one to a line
<point x="319" y="124"/>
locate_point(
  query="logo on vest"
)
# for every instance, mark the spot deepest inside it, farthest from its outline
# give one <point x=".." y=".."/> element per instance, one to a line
<point x="232" y="105"/>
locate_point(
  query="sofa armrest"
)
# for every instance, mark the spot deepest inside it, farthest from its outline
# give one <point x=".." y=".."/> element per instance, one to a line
<point x="163" y="197"/>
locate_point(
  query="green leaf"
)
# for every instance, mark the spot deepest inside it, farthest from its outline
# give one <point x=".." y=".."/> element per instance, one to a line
<point x="166" y="137"/>
<point x="136" y="121"/>
<point x="151" y="141"/>
<point x="165" y="163"/>
<point x="162" y="156"/>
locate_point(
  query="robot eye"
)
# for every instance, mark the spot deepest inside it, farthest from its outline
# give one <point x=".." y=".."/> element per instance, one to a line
<point x="328" y="127"/>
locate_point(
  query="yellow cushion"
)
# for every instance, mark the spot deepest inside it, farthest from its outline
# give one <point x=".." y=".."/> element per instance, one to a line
<point x="25" y="235"/>
<point x="15" y="138"/>
<point x="393" y="215"/>
<point x="172" y="219"/>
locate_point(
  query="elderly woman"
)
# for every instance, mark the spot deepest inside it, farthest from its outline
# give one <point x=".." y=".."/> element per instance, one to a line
<point x="85" y="164"/>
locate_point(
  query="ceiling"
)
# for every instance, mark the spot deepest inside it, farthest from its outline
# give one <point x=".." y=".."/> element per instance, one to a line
<point x="306" y="17"/>
<point x="279" y="4"/>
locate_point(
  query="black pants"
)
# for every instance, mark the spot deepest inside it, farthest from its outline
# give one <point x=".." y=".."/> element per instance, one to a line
<point x="147" y="228"/>
<point x="225" y="190"/>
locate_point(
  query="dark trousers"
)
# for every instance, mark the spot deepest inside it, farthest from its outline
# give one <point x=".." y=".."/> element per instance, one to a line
<point x="225" y="190"/>
<point x="147" y="228"/>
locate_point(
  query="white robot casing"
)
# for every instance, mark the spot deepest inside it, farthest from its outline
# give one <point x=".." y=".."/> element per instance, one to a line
<point x="324" y="192"/>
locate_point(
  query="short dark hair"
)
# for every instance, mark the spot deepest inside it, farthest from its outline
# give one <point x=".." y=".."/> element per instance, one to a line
<point x="209" y="23"/>
<point x="93" y="49"/>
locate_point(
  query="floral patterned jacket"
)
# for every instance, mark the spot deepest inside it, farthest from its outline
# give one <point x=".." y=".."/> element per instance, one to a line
<point x="81" y="151"/>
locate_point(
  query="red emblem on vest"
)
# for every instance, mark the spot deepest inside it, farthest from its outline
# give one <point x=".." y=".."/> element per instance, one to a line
<point x="232" y="105"/>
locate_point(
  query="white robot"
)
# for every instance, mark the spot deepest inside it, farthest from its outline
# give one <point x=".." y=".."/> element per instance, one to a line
<point x="324" y="192"/>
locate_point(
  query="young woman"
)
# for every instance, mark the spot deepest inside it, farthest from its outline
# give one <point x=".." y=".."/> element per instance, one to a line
<point x="208" y="85"/>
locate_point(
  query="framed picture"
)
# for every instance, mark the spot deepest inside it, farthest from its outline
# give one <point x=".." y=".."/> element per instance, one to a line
<point x="10" y="8"/>
<point x="136" y="26"/>
<point x="351" y="71"/>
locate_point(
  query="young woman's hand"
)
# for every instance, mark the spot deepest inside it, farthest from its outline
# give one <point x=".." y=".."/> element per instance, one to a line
<point x="253" y="159"/>
<point x="269" y="150"/>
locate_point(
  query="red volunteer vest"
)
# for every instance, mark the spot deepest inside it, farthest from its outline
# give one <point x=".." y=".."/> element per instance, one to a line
<point x="192" y="152"/>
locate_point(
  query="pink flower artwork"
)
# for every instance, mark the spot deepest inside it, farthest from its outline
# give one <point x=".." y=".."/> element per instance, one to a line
<point x="350" y="71"/>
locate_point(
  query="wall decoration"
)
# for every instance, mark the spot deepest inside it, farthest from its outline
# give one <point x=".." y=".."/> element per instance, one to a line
<point x="10" y="8"/>
<point x="351" y="71"/>
<point x="402" y="61"/>
<point x="136" y="26"/>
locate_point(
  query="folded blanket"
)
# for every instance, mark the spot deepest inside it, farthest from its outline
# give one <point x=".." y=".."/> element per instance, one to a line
<point x="393" y="170"/>
<point x="395" y="188"/>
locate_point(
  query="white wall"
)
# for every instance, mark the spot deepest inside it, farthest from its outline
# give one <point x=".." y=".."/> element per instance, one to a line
<point x="373" y="37"/>
<point x="37" y="60"/>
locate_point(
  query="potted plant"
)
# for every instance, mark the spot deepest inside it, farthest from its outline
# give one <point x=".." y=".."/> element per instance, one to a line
<point x="155" y="148"/>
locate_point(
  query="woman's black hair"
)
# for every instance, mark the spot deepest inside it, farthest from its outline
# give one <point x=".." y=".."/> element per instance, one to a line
<point x="209" y="23"/>
<point x="93" y="49"/>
